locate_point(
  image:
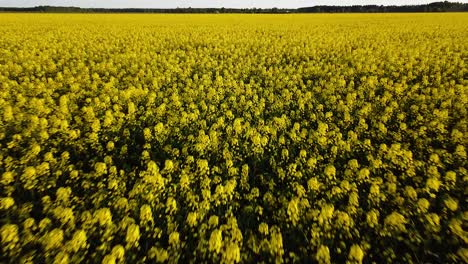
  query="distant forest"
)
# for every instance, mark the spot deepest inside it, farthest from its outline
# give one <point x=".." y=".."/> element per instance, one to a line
<point x="432" y="7"/>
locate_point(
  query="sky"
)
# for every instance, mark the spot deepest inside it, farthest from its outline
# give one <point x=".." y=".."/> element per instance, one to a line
<point x="207" y="3"/>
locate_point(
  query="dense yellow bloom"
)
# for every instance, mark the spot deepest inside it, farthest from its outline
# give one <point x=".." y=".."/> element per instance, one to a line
<point x="6" y="202"/>
<point x="423" y="205"/>
<point x="263" y="228"/>
<point x="433" y="222"/>
<point x="44" y="224"/>
<point x="451" y="203"/>
<point x="62" y="258"/>
<point x="146" y="215"/>
<point x="451" y="177"/>
<point x="53" y="239"/>
<point x="433" y="184"/>
<point x="372" y="218"/>
<point x="330" y="171"/>
<point x="118" y="252"/>
<point x="216" y="241"/>
<point x="110" y="146"/>
<point x="29" y="177"/>
<point x="311" y="162"/>
<point x="395" y="222"/>
<point x="133" y="235"/>
<point x="232" y="254"/>
<point x="364" y="174"/>
<point x="158" y="254"/>
<point x="194" y="138"/>
<point x="7" y="178"/>
<point x="169" y="165"/>
<point x="29" y="223"/>
<point x="109" y="259"/>
<point x="174" y="239"/>
<point x="276" y="242"/>
<point x="313" y="184"/>
<point x="356" y="254"/>
<point x="203" y="166"/>
<point x="213" y="221"/>
<point x="192" y="219"/>
<point x="293" y="210"/>
<point x="103" y="216"/>
<point x="78" y="241"/>
<point x="171" y="205"/>
<point x="326" y="213"/>
<point x="323" y="255"/>
<point x="101" y="168"/>
<point x="63" y="194"/>
<point x="64" y="215"/>
<point x="10" y="236"/>
<point x="411" y="193"/>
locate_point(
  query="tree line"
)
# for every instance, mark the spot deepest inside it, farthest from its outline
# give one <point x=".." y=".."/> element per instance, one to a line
<point x="432" y="7"/>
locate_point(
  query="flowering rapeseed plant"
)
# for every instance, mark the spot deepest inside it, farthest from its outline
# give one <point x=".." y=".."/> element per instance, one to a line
<point x="233" y="139"/>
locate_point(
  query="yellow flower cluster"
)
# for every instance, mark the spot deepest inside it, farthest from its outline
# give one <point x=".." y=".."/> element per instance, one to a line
<point x="233" y="138"/>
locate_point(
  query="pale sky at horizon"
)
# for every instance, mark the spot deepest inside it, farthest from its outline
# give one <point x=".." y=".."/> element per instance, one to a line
<point x="206" y="3"/>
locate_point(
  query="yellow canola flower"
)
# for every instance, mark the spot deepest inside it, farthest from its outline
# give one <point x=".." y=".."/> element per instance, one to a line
<point x="10" y="236"/>
<point x="63" y="194"/>
<point x="35" y="150"/>
<point x="216" y="241"/>
<point x="330" y="171"/>
<point x="232" y="254"/>
<point x="353" y="164"/>
<point x="8" y="114"/>
<point x="7" y="178"/>
<point x="227" y="106"/>
<point x="433" y="184"/>
<point x="133" y="235"/>
<point x="293" y="210"/>
<point x="171" y="205"/>
<point x="356" y="254"/>
<point x="169" y="165"/>
<point x="29" y="223"/>
<point x="263" y="228"/>
<point x="213" y="221"/>
<point x="395" y="221"/>
<point x="423" y="205"/>
<point x="323" y="255"/>
<point x="101" y="168"/>
<point x="109" y="259"/>
<point x="451" y="177"/>
<point x="372" y="218"/>
<point x="29" y="177"/>
<point x="326" y="213"/>
<point x="364" y="174"/>
<point x="53" y="239"/>
<point x="65" y="215"/>
<point x="311" y="163"/>
<point x="313" y="184"/>
<point x="158" y="254"/>
<point x="118" y="252"/>
<point x="451" y="204"/>
<point x="62" y="258"/>
<point x="78" y="241"/>
<point x="6" y="202"/>
<point x="110" y="146"/>
<point x="103" y="216"/>
<point x="192" y="219"/>
<point x="411" y="193"/>
<point x="174" y="239"/>
<point x="463" y="254"/>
